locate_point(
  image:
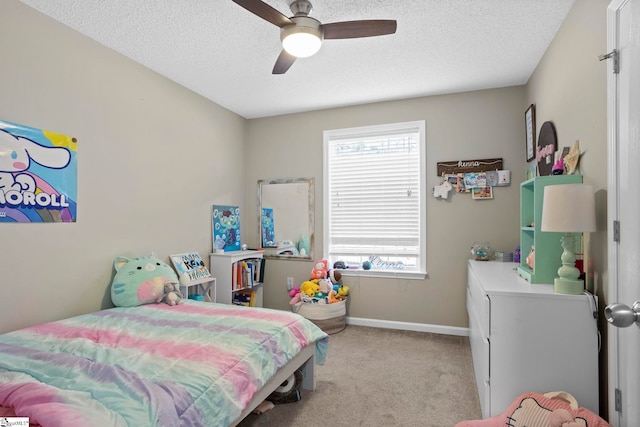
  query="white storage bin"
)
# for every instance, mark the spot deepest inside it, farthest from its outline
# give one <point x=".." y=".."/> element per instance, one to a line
<point x="331" y="318"/>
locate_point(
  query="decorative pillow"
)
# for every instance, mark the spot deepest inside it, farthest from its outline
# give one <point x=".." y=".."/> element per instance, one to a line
<point x="140" y="280"/>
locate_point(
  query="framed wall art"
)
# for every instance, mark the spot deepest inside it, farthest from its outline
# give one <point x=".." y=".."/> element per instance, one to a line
<point x="530" y="127"/>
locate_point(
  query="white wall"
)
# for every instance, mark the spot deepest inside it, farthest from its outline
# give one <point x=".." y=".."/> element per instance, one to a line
<point x="152" y="158"/>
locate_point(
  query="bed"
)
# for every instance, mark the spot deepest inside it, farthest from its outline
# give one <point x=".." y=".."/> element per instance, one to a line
<point x="194" y="364"/>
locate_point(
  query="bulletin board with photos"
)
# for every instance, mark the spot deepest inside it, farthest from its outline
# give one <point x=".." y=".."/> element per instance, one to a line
<point x="476" y="177"/>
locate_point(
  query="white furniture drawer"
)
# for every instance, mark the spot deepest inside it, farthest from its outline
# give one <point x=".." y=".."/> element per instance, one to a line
<point x="480" y="302"/>
<point x="524" y="337"/>
<point x="480" y="353"/>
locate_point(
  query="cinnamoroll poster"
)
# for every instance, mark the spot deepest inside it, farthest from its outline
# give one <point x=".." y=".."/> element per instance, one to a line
<point x="38" y="175"/>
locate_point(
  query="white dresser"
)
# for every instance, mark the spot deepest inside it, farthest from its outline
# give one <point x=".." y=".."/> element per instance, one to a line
<point x="524" y="337"/>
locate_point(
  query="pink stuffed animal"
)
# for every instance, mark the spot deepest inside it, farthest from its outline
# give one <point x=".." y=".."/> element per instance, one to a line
<point x="294" y="291"/>
<point x="562" y="418"/>
<point x="552" y="409"/>
<point x="295" y="295"/>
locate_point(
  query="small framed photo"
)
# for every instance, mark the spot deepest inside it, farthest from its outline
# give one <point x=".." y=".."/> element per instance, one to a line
<point x="482" y="193"/>
<point x="452" y="178"/>
<point x="460" y="187"/>
<point x="530" y="128"/>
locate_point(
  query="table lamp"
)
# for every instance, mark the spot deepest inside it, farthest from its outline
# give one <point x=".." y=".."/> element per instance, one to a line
<point x="568" y="208"/>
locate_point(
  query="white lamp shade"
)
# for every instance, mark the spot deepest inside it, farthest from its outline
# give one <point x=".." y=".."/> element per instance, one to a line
<point x="302" y="44"/>
<point x="569" y="208"/>
<point x="303" y="38"/>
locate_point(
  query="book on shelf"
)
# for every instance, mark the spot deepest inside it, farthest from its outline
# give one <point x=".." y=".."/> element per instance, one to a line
<point x="245" y="297"/>
<point x="247" y="273"/>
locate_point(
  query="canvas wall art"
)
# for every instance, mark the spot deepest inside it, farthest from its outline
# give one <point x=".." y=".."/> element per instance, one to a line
<point x="226" y="228"/>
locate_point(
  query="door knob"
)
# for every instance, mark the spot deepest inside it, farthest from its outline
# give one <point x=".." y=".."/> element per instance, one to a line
<point x="621" y="315"/>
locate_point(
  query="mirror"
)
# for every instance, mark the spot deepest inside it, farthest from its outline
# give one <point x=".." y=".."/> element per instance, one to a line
<point x="285" y="218"/>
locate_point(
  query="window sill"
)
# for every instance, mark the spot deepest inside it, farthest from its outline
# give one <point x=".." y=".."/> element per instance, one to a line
<point x="391" y="274"/>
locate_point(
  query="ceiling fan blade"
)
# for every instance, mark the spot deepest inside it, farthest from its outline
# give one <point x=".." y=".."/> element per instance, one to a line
<point x="265" y="12"/>
<point x="283" y="63"/>
<point x="355" y="29"/>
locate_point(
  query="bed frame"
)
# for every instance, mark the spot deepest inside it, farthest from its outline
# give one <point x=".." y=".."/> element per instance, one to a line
<point x="305" y="360"/>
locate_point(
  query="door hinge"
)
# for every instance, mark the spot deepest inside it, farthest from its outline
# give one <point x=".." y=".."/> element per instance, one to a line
<point x="618" y="399"/>
<point x="613" y="54"/>
<point x="616" y="231"/>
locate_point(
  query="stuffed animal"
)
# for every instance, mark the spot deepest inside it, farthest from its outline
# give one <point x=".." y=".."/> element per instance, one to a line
<point x="335" y="277"/>
<point x="140" y="280"/>
<point x="296" y="298"/>
<point x="325" y="286"/>
<point x="295" y="295"/>
<point x="172" y="294"/>
<point x="562" y="418"/>
<point x="310" y="287"/>
<point x="320" y="269"/>
<point x="442" y="190"/>
<point x="531" y="258"/>
<point x="552" y="409"/>
<point x="343" y="291"/>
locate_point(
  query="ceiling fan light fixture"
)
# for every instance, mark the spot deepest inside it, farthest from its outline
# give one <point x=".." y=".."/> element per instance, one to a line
<point x="303" y="39"/>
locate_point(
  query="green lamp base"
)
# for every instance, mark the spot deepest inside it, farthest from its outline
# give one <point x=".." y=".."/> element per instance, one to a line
<point x="566" y="286"/>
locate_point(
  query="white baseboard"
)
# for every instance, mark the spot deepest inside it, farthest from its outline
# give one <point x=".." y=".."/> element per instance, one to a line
<point x="407" y="326"/>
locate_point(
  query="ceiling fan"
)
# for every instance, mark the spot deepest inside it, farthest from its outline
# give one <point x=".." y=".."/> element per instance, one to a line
<point x="302" y="35"/>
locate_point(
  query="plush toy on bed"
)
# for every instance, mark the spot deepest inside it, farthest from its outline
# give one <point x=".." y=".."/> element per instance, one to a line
<point x="140" y="280"/>
<point x="172" y="294"/>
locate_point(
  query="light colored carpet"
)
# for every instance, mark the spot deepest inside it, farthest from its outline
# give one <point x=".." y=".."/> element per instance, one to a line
<point x="384" y="377"/>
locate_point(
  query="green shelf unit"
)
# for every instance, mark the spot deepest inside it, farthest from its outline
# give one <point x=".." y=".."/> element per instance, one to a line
<point x="548" y="248"/>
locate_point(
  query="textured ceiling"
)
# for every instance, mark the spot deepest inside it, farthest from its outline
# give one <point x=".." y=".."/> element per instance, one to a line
<point x="223" y="52"/>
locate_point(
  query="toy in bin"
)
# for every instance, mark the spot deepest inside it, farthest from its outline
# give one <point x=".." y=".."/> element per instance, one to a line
<point x="322" y="298"/>
<point x="324" y="287"/>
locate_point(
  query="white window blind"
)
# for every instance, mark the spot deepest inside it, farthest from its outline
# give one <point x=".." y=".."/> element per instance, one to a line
<point x="375" y="206"/>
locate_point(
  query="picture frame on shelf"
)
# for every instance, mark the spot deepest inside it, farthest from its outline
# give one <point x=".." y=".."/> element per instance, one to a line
<point x="530" y="135"/>
<point x="226" y="228"/>
<point x="191" y="264"/>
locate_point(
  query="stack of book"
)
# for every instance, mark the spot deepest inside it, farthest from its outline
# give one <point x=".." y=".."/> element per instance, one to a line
<point x="247" y="273"/>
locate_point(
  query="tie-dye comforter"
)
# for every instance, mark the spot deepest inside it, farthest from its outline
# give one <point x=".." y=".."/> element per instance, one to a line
<point x="196" y="364"/>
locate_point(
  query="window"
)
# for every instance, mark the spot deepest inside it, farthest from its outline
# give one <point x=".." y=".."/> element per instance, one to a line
<point x="374" y="199"/>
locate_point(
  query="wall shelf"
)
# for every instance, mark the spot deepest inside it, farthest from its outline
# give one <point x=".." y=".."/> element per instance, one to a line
<point x="548" y="248"/>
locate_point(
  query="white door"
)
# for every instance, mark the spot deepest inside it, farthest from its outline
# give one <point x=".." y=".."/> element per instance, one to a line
<point x="623" y="34"/>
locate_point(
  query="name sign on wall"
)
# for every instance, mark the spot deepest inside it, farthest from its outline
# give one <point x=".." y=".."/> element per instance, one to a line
<point x="467" y="166"/>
